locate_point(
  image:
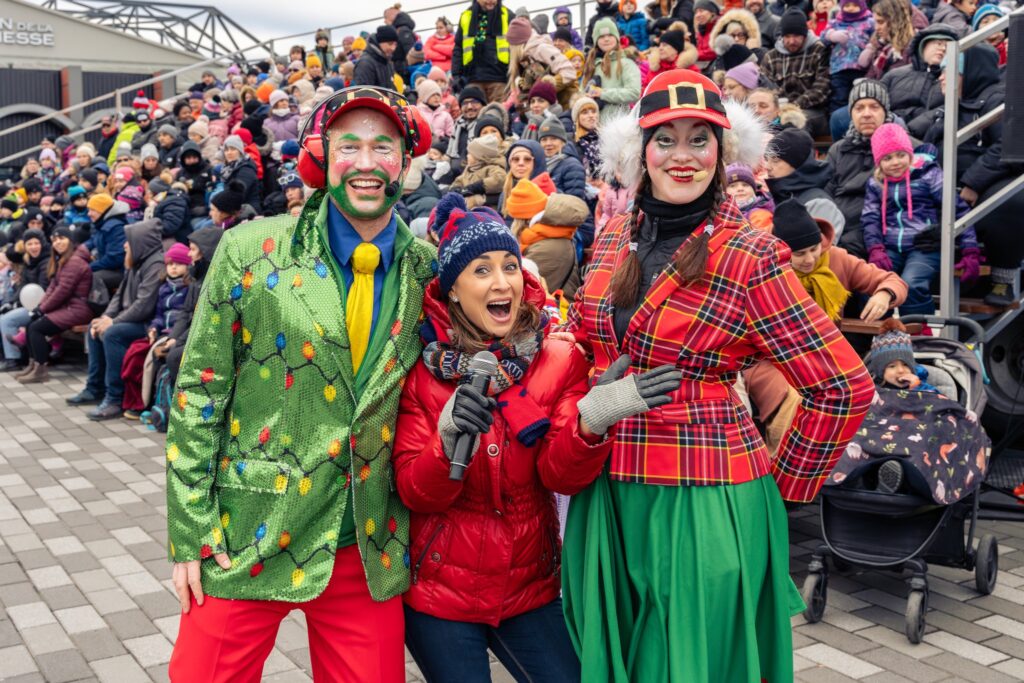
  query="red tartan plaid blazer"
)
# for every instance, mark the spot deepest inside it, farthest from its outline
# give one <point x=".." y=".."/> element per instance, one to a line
<point x="749" y="305"/>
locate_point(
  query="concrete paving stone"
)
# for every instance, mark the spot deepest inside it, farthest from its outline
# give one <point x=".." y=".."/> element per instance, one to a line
<point x="296" y="676"/>
<point x="169" y="627"/>
<point x="836" y="637"/>
<point x="11" y="572"/>
<point x="301" y="658"/>
<point x="139" y="583"/>
<point x="98" y="644"/>
<point x="131" y="535"/>
<point x="8" y="633"/>
<point x="119" y="565"/>
<point x="160" y="604"/>
<point x="46" y="638"/>
<point x="60" y="505"/>
<point x="1011" y="667"/>
<point x="123" y="497"/>
<point x="63" y="597"/>
<point x="54" y="463"/>
<point x="964" y="648"/>
<point x="897" y="641"/>
<point x="967" y="670"/>
<point x="64" y="545"/>
<point x="92" y="533"/>
<point x="22" y="542"/>
<point x="49" y="577"/>
<point x="15" y="526"/>
<point x="80" y="619"/>
<point x="31" y="614"/>
<point x="837" y="660"/>
<point x="62" y="667"/>
<point x="149" y="650"/>
<point x="111" y="601"/>
<point x="158" y="673"/>
<point x="53" y="492"/>
<point x="1008" y="645"/>
<point x="52" y="530"/>
<point x="123" y="669"/>
<point x="76" y="483"/>
<point x="79" y="562"/>
<point x="130" y="624"/>
<point x="108" y="547"/>
<point x="143" y="552"/>
<point x="94" y="580"/>
<point x="1001" y="624"/>
<point x="17" y="661"/>
<point x="908" y="667"/>
<point x="101" y="507"/>
<point x="277" y="662"/>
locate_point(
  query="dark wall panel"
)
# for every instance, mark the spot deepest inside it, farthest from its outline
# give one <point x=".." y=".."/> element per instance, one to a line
<point x="27" y="85"/>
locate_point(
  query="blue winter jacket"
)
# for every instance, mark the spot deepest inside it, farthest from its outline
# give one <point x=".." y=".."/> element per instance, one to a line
<point x="636" y="28"/>
<point x="73" y="216"/>
<point x="170" y="302"/>
<point x="905" y="220"/>
<point x="107" y="238"/>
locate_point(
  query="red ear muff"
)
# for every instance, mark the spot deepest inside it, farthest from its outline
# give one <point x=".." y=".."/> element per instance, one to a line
<point x="419" y="132"/>
<point x="310" y="163"/>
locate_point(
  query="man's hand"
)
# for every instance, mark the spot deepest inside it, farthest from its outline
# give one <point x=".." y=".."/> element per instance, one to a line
<point x="186" y="577"/>
<point x="876" y="307"/>
<point x="100" y="325"/>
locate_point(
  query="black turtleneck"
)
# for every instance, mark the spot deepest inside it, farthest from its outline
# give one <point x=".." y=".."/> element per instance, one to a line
<point x="663" y="230"/>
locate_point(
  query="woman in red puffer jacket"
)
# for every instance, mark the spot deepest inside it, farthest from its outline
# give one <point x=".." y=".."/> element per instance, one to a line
<point x="485" y="551"/>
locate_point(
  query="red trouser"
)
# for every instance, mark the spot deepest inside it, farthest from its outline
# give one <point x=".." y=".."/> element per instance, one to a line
<point x="351" y="637"/>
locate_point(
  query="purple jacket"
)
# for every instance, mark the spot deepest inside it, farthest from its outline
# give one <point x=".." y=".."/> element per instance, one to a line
<point x="170" y="302"/>
<point x="892" y="219"/>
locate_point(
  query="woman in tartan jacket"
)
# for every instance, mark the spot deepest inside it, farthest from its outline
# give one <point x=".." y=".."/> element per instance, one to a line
<point x="676" y="562"/>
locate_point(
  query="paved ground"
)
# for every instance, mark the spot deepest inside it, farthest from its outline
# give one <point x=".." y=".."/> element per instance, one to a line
<point x="83" y="574"/>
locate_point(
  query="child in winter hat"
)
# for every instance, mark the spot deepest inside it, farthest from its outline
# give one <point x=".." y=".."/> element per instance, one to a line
<point x="485" y="172"/>
<point x="848" y="34"/>
<point x="891" y="360"/>
<point x="757" y="207"/>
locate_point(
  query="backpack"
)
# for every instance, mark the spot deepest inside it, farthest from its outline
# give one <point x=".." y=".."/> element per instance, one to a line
<point x="99" y="295"/>
<point x="156" y="417"/>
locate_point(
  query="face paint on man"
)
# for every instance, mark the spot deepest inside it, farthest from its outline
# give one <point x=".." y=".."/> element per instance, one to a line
<point x="365" y="156"/>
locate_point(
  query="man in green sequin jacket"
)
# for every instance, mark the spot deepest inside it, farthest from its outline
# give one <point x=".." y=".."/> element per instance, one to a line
<point x="280" y="491"/>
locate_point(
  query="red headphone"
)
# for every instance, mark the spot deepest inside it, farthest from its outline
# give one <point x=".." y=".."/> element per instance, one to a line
<point x="312" y="164"/>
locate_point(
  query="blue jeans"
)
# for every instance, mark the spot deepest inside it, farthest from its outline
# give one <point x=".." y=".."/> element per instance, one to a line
<point x="918" y="269"/>
<point x="9" y="324"/>
<point x="534" y="646"/>
<point x="105" y="358"/>
<point x="839" y="123"/>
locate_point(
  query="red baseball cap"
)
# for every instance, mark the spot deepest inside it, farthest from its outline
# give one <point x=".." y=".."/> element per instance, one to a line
<point x="682" y="94"/>
<point x="390" y="103"/>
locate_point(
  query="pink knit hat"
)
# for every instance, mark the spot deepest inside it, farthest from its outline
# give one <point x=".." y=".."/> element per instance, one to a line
<point x="178" y="253"/>
<point x="437" y="74"/>
<point x="889" y="138"/>
<point x="519" y="31"/>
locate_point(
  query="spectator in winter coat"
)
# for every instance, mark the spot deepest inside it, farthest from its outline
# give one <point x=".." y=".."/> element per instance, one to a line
<point x="471" y="102"/>
<point x="485" y="173"/>
<point x="419" y="193"/>
<point x="195" y="175"/>
<point x="956" y="14"/>
<point x="532" y="58"/>
<point x="439" y="46"/>
<point x="202" y="246"/>
<point x="199" y="135"/>
<point x="240" y="168"/>
<point x="674" y="51"/>
<point x="766" y="21"/>
<point x="567" y="173"/>
<point x="632" y="24"/>
<point x="890" y="45"/>
<point x="852" y="161"/>
<point x="170" y="205"/>
<point x="428" y="101"/>
<point x="545" y="225"/>
<point x="282" y="122"/>
<point x="562" y="18"/>
<point x="323" y="49"/>
<point x="150" y="159"/>
<point x="168" y="145"/>
<point x="914" y="88"/>
<point x="848" y="34"/>
<point x="609" y="77"/>
<point x="227" y="206"/>
<point x="585" y="121"/>
<point x="375" y="67"/>
<point x="127" y="188"/>
<point x="985" y="15"/>
<point x="76" y="211"/>
<point x="757" y="206"/>
<point x="799" y="65"/>
<point x="980" y="169"/>
<point x="794" y="171"/>
<point x="526" y="160"/>
<point x="542" y="104"/>
<point x="31" y="255"/>
<point x="107" y="239"/>
<point x="405" y="30"/>
<point x="705" y="16"/>
<point x="124" y="321"/>
<point x="130" y="129"/>
<point x="483" y="26"/>
<point x="741" y="28"/>
<point x="603" y="9"/>
<point x="64" y="305"/>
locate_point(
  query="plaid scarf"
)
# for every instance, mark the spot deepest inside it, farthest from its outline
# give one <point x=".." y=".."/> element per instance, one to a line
<point x="450" y="364"/>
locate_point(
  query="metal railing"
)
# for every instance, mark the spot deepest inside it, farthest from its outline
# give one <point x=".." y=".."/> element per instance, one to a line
<point x="267" y="45"/>
<point x="953" y="137"/>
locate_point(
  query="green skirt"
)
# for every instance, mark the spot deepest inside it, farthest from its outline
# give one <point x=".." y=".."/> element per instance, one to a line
<point x="680" y="583"/>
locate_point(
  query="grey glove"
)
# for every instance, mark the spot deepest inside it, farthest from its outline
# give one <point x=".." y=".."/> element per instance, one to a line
<point x="615" y="397"/>
<point x="467" y="412"/>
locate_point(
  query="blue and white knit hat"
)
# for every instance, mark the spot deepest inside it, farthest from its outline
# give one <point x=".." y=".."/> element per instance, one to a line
<point x="466" y="235"/>
<point x="891" y="343"/>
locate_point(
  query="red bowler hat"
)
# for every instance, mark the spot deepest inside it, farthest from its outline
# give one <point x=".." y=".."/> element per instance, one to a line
<point x="682" y="94"/>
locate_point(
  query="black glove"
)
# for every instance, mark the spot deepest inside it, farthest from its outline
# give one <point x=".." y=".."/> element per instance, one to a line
<point x="471" y="411"/>
<point x="6" y="308"/>
<point x="35" y="314"/>
<point x="473" y="188"/>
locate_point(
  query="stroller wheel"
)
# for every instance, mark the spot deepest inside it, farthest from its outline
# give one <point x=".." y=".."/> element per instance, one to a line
<point x="986" y="567"/>
<point x="917" y="607"/>
<point x="815" y="596"/>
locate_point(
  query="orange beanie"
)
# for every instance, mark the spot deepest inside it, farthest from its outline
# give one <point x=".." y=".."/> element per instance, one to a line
<point x="100" y="202"/>
<point x="263" y="92"/>
<point x="525" y="201"/>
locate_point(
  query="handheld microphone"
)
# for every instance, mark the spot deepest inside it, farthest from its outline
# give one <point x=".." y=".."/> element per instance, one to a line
<point x="392" y="189"/>
<point x="483" y="366"/>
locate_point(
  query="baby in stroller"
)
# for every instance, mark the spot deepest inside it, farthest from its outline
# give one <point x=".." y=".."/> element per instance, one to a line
<point x="915" y="439"/>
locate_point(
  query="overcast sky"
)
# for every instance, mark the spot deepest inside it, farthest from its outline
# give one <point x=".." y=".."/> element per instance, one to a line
<point x="273" y="18"/>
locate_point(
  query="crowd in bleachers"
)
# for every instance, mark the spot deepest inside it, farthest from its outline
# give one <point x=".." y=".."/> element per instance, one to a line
<point x="114" y="237"/>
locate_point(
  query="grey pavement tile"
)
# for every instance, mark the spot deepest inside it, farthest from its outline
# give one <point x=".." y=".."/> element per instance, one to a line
<point x="151" y="650"/>
<point x="98" y="644"/>
<point x="17" y="661"/>
<point x="130" y="624"/>
<point x="34" y="559"/>
<point x="967" y="670"/>
<point x="61" y="667"/>
<point x="139" y="583"/>
<point x="110" y="601"/>
<point x="839" y="661"/>
<point x="123" y="669"/>
<point x="908" y="667"/>
<point x="836" y="637"/>
<point x="49" y="577"/>
<point x="158" y="673"/>
<point x="157" y="605"/>
<point x="46" y="638"/>
<point x="1008" y="645"/>
<point x="64" y="545"/>
<point x="79" y="562"/>
<point x="12" y="572"/>
<point x="965" y="648"/>
<point x="94" y="580"/>
<point x="80" y="619"/>
<point x="63" y="597"/>
<point x="8" y="634"/>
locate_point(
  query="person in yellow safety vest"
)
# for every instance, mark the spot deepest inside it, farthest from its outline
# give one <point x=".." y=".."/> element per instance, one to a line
<point x="480" y="55"/>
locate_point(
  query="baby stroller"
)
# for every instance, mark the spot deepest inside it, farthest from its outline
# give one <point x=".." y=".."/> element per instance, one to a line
<point x="864" y="527"/>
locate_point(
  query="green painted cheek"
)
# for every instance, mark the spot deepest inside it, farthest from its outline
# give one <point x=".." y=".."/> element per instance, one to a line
<point x="340" y="195"/>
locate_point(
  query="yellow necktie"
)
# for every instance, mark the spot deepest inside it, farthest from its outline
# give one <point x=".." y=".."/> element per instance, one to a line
<point x="359" y="309"/>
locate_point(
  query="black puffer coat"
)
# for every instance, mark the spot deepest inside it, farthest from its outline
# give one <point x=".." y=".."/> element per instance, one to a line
<point x="914" y="88"/>
<point x="373" y="68"/>
<point x="852" y="165"/>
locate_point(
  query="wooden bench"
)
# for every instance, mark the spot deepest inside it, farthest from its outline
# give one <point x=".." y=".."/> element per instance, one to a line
<point x="857" y="326"/>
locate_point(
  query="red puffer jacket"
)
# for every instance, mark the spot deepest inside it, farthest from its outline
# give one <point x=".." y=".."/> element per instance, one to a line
<point x="487" y="548"/>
